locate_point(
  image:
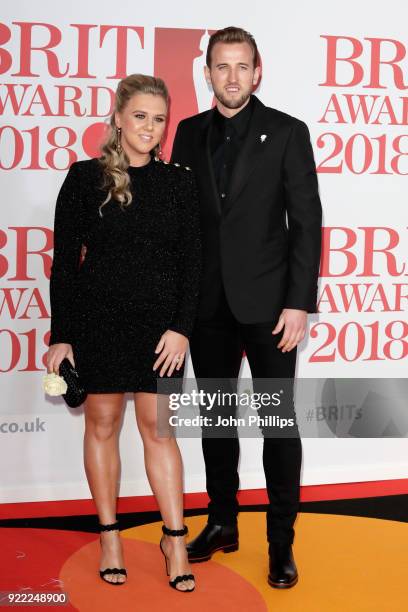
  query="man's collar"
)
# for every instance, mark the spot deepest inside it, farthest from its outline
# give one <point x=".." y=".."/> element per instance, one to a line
<point x="240" y="121"/>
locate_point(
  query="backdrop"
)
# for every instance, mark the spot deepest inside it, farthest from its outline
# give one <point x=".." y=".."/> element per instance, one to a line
<point x="344" y="72"/>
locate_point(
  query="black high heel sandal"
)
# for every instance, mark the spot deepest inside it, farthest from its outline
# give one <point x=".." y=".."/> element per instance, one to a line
<point x="111" y="570"/>
<point x="177" y="579"/>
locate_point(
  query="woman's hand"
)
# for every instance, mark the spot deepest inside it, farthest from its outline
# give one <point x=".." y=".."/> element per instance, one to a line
<point x="56" y="353"/>
<point x="172" y="347"/>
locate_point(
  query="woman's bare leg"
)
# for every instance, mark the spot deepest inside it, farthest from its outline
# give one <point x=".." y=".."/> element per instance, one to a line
<point x="103" y="415"/>
<point x="164" y="471"/>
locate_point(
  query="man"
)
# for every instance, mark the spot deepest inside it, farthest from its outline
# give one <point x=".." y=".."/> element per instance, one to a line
<point x="261" y="232"/>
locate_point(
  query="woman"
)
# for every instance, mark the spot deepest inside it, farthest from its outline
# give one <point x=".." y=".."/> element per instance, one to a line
<point x="125" y="314"/>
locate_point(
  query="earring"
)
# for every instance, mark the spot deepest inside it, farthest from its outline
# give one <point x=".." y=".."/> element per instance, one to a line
<point x="158" y="152"/>
<point x="118" y="143"/>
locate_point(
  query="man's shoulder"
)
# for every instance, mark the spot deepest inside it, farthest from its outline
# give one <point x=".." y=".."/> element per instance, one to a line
<point x="280" y="117"/>
<point x="272" y="115"/>
<point x="195" y="120"/>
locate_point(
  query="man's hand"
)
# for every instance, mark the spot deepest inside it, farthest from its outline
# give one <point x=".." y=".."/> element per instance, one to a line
<point x="172" y="347"/>
<point x="294" y="321"/>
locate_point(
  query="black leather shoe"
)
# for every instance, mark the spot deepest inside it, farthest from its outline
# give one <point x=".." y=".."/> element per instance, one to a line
<point x="213" y="538"/>
<point x="282" y="568"/>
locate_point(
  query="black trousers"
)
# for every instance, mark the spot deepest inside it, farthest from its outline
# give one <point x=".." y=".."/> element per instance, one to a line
<point x="216" y="348"/>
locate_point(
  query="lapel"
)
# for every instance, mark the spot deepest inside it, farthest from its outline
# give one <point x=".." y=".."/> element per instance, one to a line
<point x="251" y="152"/>
<point x="205" y="166"/>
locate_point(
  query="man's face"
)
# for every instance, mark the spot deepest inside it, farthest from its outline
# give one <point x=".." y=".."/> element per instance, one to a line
<point x="232" y="73"/>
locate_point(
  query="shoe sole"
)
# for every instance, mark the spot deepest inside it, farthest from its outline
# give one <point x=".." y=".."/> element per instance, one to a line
<point x="226" y="549"/>
<point x="280" y="585"/>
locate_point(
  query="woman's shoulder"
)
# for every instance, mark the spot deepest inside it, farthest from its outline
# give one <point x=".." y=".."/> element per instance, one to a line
<point x="172" y="167"/>
<point x="87" y="173"/>
<point x="174" y="172"/>
<point x="85" y="166"/>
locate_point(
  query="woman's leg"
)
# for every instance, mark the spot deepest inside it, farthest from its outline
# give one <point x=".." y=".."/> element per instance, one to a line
<point x="164" y="471"/>
<point x="103" y="412"/>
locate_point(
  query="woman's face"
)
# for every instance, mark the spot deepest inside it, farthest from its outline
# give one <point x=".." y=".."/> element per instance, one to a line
<point x="143" y="121"/>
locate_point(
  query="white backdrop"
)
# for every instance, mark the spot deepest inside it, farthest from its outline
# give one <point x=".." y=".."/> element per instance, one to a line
<point x="344" y="72"/>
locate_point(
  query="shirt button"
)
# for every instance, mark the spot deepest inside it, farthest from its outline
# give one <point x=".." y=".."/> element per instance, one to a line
<point x="223" y="195"/>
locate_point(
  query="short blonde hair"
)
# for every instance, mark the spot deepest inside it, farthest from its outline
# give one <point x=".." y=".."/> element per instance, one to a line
<point x="232" y="35"/>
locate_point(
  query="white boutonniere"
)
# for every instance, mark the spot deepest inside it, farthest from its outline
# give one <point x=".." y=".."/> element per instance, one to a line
<point x="263" y="137"/>
<point x="54" y="384"/>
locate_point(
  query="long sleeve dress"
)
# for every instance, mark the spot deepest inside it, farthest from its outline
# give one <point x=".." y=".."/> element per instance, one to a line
<point x="140" y="275"/>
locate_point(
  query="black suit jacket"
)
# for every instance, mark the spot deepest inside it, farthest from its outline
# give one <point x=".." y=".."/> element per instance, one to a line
<point x="264" y="244"/>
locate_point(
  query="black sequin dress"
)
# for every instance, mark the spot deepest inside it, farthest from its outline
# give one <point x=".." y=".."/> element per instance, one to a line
<point x="140" y="275"/>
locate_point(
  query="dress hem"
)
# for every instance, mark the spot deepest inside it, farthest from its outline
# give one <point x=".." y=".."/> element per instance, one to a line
<point x="128" y="391"/>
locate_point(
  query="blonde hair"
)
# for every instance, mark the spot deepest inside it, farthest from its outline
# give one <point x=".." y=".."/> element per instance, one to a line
<point x="114" y="160"/>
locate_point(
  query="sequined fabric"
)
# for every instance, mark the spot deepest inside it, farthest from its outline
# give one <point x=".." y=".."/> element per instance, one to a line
<point x="140" y="275"/>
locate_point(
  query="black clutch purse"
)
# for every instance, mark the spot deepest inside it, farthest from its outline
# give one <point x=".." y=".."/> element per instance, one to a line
<point x="76" y="394"/>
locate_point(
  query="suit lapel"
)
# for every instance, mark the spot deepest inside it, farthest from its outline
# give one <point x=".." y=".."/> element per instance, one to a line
<point x="211" y="170"/>
<point x="204" y="166"/>
<point x="251" y="152"/>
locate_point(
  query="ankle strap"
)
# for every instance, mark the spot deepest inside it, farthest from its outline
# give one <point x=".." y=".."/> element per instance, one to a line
<point x="175" y="532"/>
<point x="110" y="527"/>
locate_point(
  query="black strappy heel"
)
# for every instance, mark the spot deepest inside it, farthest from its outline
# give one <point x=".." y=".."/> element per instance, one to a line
<point x="177" y="579"/>
<point x="111" y="570"/>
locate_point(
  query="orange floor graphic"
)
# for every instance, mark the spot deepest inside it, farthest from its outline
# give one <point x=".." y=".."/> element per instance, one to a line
<point x="345" y="563"/>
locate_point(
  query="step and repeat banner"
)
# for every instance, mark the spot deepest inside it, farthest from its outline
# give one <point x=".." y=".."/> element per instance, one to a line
<point x="346" y="75"/>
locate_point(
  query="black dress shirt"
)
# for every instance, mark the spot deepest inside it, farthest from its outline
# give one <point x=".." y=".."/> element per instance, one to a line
<point x="226" y="139"/>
